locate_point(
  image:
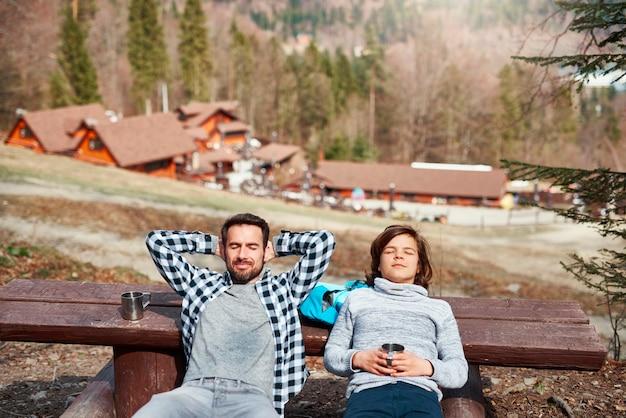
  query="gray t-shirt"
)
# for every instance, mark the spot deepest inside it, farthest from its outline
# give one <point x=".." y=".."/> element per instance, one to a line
<point x="234" y="340"/>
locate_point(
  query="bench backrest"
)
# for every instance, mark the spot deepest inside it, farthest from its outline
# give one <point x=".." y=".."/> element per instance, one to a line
<point x="504" y="332"/>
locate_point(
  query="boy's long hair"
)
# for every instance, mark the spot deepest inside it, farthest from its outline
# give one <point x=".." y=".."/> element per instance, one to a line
<point x="424" y="270"/>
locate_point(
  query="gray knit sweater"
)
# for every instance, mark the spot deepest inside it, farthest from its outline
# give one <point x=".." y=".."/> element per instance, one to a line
<point x="397" y="313"/>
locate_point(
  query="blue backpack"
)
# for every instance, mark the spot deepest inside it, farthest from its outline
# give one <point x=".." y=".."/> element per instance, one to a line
<point x="326" y="299"/>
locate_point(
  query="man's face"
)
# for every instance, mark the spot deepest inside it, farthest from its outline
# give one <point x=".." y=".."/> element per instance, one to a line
<point x="244" y="253"/>
<point x="399" y="259"/>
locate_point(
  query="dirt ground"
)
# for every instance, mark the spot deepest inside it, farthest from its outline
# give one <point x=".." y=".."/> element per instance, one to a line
<point x="101" y="239"/>
<point x="41" y="380"/>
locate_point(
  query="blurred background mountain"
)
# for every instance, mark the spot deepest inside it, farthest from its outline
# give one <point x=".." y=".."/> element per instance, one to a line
<point x="390" y="80"/>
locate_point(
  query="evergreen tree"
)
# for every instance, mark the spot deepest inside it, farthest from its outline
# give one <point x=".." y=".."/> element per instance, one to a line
<point x="361" y="149"/>
<point x="314" y="93"/>
<point x="511" y="117"/>
<point x="75" y="63"/>
<point x="601" y="203"/>
<point x="532" y="124"/>
<point x="343" y="83"/>
<point x="339" y="149"/>
<point x="193" y="50"/>
<point x="146" y="49"/>
<point x="604" y="48"/>
<point x="60" y="93"/>
<point x="601" y="192"/>
<point x="241" y="67"/>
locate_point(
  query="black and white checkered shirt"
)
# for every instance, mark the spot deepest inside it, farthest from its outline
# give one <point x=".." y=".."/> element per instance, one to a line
<point x="281" y="294"/>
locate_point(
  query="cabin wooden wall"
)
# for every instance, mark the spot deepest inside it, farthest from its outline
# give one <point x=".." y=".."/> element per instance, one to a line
<point x="30" y="141"/>
<point x="168" y="170"/>
<point x="98" y="156"/>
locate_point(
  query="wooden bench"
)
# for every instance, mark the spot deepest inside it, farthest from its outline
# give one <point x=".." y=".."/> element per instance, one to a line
<point x="148" y="359"/>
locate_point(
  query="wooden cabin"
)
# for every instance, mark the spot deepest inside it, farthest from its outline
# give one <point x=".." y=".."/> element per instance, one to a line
<point x="283" y="162"/>
<point x="454" y="187"/>
<point x="187" y="113"/>
<point x="200" y="139"/>
<point x="147" y="144"/>
<point x="233" y="134"/>
<point x="210" y="166"/>
<point x="55" y="131"/>
<point x="209" y="117"/>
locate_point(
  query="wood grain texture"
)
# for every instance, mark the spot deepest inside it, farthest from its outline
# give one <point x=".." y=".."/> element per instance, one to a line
<point x="72" y="292"/>
<point x="465" y="402"/>
<point x="139" y="374"/>
<point x="162" y="295"/>
<point x="77" y="323"/>
<point x="505" y="332"/>
<point x="96" y="400"/>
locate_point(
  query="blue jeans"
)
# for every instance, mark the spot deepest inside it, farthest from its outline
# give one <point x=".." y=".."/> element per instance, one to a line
<point x="398" y="400"/>
<point x="208" y="398"/>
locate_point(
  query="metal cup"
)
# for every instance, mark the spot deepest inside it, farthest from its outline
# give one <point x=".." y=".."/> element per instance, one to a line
<point x="134" y="304"/>
<point x="391" y="349"/>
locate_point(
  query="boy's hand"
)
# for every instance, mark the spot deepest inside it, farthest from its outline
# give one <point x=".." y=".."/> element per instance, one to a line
<point x="408" y="364"/>
<point x="373" y="361"/>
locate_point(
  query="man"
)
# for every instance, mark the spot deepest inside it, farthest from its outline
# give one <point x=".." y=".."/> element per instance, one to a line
<point x="241" y="332"/>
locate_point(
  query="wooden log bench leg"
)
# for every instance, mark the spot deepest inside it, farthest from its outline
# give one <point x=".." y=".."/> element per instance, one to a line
<point x="468" y="401"/>
<point x="96" y="401"/>
<point x="141" y="373"/>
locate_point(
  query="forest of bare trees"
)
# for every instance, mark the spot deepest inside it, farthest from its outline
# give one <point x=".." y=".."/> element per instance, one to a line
<point x="392" y="80"/>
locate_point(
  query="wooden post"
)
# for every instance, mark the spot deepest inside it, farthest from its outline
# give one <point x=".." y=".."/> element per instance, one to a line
<point x="96" y="401"/>
<point x="468" y="401"/>
<point x="141" y="374"/>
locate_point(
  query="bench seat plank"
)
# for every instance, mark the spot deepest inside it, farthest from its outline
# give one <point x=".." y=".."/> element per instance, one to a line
<point x="78" y="323"/>
<point x="532" y="344"/>
<point x="520" y="309"/>
<point x="485" y="341"/>
<point x="85" y="292"/>
<point x="162" y="295"/>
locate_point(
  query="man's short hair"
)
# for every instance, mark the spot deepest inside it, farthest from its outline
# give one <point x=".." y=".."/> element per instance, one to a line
<point x="246" y="219"/>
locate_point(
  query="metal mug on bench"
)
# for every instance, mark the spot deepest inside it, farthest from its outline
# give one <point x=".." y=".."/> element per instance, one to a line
<point x="134" y="304"/>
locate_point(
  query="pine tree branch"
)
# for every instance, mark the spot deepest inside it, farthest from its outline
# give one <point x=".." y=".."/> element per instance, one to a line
<point x="599" y="189"/>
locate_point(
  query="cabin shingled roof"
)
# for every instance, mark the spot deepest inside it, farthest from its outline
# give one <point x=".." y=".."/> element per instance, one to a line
<point x="224" y="154"/>
<point x="194" y="108"/>
<point x="197" y="133"/>
<point x="233" y="127"/>
<point x="378" y="176"/>
<point x="275" y="153"/>
<point x="146" y="138"/>
<point x="197" y="113"/>
<point x="53" y="127"/>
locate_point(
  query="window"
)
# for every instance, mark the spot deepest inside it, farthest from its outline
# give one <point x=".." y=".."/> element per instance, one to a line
<point x="25" y="132"/>
<point x="156" y="165"/>
<point x="95" y="144"/>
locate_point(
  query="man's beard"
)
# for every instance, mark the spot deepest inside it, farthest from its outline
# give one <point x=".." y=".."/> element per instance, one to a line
<point x="243" y="277"/>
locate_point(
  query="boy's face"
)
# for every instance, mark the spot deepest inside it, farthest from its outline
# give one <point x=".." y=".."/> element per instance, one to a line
<point x="244" y="253"/>
<point x="399" y="259"/>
